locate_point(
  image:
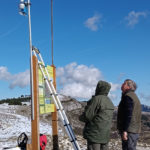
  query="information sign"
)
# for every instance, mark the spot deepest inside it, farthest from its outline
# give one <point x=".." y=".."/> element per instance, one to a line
<point x="45" y="101"/>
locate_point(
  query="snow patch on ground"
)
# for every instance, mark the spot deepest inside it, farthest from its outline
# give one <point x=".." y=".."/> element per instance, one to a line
<point x="12" y="125"/>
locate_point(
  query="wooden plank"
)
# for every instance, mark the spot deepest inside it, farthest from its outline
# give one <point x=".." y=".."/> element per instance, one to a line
<point x="29" y="146"/>
<point x="35" y="122"/>
<point x="55" y="117"/>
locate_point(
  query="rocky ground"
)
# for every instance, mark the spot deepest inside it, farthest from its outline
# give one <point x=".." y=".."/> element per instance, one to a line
<point x="16" y="119"/>
<point x="114" y="144"/>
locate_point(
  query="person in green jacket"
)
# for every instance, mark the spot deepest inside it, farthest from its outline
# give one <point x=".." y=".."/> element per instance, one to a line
<point x="97" y="116"/>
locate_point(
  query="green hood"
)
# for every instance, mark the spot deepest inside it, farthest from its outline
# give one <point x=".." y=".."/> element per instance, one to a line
<point x="102" y="88"/>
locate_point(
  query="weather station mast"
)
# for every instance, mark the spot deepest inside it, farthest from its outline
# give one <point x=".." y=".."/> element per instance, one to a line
<point x="24" y="9"/>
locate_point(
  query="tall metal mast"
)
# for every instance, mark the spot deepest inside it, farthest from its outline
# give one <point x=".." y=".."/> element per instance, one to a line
<point x="52" y="29"/>
<point x="22" y="10"/>
<point x="31" y="61"/>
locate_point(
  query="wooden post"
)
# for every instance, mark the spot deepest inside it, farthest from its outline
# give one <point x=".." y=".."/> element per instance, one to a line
<point x="35" y="123"/>
<point x="29" y="146"/>
<point x="55" y="117"/>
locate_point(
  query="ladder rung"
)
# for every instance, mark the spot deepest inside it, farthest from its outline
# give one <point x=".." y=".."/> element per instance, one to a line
<point x="54" y="94"/>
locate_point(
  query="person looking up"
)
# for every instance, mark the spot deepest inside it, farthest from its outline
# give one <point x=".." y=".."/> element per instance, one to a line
<point x="129" y="115"/>
<point x="97" y="117"/>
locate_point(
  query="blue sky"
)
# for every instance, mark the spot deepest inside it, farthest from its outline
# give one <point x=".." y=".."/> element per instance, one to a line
<point x="93" y="40"/>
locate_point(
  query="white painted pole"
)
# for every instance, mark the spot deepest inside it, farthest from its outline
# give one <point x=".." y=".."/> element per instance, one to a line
<point x="31" y="61"/>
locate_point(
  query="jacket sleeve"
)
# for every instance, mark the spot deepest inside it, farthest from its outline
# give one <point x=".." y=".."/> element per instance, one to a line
<point x="128" y="108"/>
<point x="82" y="117"/>
<point x="90" y="110"/>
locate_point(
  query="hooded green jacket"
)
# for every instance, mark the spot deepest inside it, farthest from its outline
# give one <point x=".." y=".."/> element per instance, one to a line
<point x="98" y="115"/>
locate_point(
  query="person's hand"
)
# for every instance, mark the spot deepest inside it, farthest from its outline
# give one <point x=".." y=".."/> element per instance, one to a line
<point x="124" y="136"/>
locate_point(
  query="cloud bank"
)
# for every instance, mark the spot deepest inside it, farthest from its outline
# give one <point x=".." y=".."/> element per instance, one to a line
<point x="17" y="80"/>
<point x="80" y="81"/>
<point x="93" y="22"/>
<point x="133" y="18"/>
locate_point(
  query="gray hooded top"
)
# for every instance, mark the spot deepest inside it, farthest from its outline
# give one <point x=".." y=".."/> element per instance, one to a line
<point x="98" y="115"/>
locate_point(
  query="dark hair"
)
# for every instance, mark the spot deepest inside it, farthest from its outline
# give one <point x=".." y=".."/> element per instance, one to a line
<point x="131" y="84"/>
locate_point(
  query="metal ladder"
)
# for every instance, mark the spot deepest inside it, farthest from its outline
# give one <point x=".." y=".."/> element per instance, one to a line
<point x="56" y="100"/>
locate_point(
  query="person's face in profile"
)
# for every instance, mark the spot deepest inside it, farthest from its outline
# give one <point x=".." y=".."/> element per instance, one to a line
<point x="125" y="87"/>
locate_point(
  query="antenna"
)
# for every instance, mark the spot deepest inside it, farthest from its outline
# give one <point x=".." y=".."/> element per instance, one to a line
<point x="52" y="29"/>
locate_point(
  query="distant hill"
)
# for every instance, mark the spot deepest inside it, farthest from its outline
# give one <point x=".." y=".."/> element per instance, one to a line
<point x="22" y="98"/>
<point x="145" y="108"/>
<point x="16" y="101"/>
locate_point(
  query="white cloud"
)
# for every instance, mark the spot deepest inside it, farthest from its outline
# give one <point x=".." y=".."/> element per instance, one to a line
<point x="21" y="79"/>
<point x="144" y="96"/>
<point x="75" y="80"/>
<point x="115" y="87"/>
<point x="134" y="17"/>
<point x="112" y="96"/>
<point x="4" y="74"/>
<point x="80" y="81"/>
<point x="78" y="90"/>
<point x="94" y="22"/>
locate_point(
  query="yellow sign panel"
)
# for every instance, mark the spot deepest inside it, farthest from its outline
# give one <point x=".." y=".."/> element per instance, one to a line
<point x="50" y="71"/>
<point x="41" y="99"/>
<point x="41" y="80"/>
<point x="44" y="94"/>
<point x="42" y="110"/>
<point x="50" y="107"/>
<point x="41" y="91"/>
